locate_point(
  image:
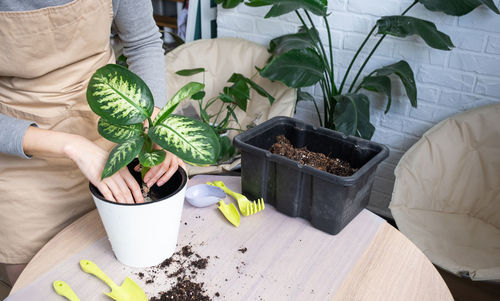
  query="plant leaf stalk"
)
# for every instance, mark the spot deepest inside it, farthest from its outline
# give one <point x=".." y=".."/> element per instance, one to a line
<point x="375" y="48"/>
<point x="320" y="49"/>
<point x="331" y="54"/>
<point x="329" y="68"/>
<point x="355" y="57"/>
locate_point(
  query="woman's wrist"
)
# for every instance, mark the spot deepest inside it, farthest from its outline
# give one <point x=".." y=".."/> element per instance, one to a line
<point x="41" y="142"/>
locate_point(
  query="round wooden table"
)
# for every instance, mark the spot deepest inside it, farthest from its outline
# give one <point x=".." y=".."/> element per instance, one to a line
<point x="287" y="259"/>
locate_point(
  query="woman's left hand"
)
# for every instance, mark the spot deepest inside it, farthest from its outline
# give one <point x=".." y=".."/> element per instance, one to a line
<point x="162" y="172"/>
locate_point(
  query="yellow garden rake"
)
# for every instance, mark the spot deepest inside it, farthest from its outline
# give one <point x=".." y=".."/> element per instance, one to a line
<point x="246" y="207"/>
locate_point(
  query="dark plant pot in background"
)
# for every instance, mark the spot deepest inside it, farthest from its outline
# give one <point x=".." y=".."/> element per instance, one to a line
<point x="143" y="235"/>
<point x="328" y="201"/>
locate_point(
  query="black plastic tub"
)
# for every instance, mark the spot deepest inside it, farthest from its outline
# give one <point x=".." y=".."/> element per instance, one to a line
<point x="328" y="201"/>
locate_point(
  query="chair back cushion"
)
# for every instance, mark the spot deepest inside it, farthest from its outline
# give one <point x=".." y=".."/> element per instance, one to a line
<point x="446" y="196"/>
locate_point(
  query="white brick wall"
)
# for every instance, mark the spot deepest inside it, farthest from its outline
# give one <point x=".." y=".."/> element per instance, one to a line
<point x="448" y="82"/>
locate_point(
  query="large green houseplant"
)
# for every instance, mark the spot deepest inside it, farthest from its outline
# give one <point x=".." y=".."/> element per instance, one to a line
<point x="145" y="234"/>
<point x="300" y="59"/>
<point x="125" y="105"/>
<point x="219" y="111"/>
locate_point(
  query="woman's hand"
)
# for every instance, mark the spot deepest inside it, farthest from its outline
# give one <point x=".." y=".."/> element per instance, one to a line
<point x="90" y="159"/>
<point x="121" y="187"/>
<point x="161" y="173"/>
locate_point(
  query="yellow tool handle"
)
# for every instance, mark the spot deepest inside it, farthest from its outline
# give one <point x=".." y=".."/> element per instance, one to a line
<point x="63" y="289"/>
<point x="221" y="185"/>
<point x="91" y="268"/>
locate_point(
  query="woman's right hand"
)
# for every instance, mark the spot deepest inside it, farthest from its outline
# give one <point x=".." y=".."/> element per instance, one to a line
<point x="121" y="187"/>
<point x="90" y="159"/>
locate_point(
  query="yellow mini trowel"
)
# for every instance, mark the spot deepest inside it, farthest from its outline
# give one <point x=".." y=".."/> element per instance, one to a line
<point x="230" y="212"/>
<point x="128" y="291"/>
<point x="63" y="289"/>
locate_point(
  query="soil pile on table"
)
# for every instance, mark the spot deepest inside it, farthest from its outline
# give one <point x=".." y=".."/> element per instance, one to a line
<point x="320" y="161"/>
<point x="188" y="264"/>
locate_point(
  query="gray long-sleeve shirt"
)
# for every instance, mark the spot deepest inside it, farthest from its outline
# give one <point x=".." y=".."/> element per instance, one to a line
<point x="135" y="28"/>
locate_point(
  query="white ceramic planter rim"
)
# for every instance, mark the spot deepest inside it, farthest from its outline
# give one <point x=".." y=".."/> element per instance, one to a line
<point x="145" y="234"/>
<point x="99" y="196"/>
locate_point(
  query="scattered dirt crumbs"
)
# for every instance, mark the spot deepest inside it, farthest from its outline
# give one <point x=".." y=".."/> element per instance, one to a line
<point x="187" y="251"/>
<point x="184" y="290"/>
<point x="243" y="250"/>
<point x="306" y="157"/>
<point x="184" y="267"/>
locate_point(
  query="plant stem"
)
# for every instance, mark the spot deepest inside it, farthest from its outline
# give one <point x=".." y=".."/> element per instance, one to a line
<point x="355" y="57"/>
<point x="325" y="104"/>
<point x="375" y="48"/>
<point x="366" y="62"/>
<point x="331" y="54"/>
<point x="320" y="49"/>
<point x="218" y="113"/>
<point x="209" y="102"/>
<point x="331" y="87"/>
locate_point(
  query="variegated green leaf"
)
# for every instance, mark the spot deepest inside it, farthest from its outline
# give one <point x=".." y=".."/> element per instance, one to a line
<point x="152" y="158"/>
<point x="118" y="133"/>
<point x="185" y="92"/>
<point x="119" y="96"/>
<point x="191" y="140"/>
<point x="122" y="155"/>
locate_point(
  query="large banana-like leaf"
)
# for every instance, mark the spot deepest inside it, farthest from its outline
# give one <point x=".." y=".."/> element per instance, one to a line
<point x="457" y="7"/>
<point x="281" y="7"/>
<point x="403" y="70"/>
<point x="299" y="40"/>
<point x="122" y="155"/>
<point x="191" y="140"/>
<point x="185" y="92"/>
<point x="403" y="26"/>
<point x="229" y="3"/>
<point x="153" y="158"/>
<point x="296" y="68"/>
<point x="352" y="115"/>
<point x="381" y="84"/>
<point x="118" y="133"/>
<point x="119" y="96"/>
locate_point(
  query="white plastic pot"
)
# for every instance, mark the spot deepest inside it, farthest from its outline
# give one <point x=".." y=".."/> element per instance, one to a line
<point x="143" y="235"/>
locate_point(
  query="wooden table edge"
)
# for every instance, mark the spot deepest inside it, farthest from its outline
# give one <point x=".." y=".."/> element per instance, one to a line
<point x="376" y="269"/>
<point x="65" y="250"/>
<point x="362" y="283"/>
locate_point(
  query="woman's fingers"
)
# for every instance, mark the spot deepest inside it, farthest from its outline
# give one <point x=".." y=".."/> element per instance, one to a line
<point x="133" y="186"/>
<point x="181" y="163"/>
<point x="170" y="172"/>
<point x="106" y="193"/>
<point x="117" y="190"/>
<point x="157" y="171"/>
<point x="125" y="190"/>
<point x="161" y="173"/>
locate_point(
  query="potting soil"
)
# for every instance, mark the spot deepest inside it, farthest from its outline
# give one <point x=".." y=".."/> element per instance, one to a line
<point x="186" y="288"/>
<point x="320" y="161"/>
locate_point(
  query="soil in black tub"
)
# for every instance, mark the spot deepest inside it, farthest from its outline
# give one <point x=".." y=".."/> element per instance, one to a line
<point x="320" y="161"/>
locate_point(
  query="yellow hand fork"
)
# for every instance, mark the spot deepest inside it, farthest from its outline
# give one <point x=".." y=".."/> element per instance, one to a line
<point x="246" y="207"/>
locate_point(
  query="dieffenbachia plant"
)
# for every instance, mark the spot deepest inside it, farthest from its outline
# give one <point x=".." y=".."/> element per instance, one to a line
<point x="299" y="59"/>
<point x="236" y="95"/>
<point x="125" y="104"/>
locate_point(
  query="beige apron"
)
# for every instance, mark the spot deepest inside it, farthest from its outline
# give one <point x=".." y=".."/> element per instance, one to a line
<point x="47" y="57"/>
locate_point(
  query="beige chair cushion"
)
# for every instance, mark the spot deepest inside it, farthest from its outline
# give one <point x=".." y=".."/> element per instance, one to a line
<point x="222" y="57"/>
<point x="446" y="196"/>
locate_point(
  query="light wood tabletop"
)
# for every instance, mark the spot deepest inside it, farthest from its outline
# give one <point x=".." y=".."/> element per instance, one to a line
<point x="285" y="258"/>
